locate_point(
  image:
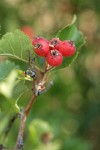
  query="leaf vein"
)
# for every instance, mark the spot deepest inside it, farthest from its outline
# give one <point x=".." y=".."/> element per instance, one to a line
<point x="21" y="46"/>
<point x="11" y="46"/>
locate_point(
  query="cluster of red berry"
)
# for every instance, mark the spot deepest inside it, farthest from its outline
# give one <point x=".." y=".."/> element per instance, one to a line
<point x="53" y="50"/>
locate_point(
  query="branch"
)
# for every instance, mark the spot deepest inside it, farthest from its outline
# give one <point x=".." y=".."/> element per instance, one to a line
<point x="19" y="143"/>
<point x="46" y="89"/>
<point x="37" y="87"/>
<point x="30" y="105"/>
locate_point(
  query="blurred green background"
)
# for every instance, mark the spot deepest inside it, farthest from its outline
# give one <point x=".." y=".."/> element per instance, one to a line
<point x="68" y="116"/>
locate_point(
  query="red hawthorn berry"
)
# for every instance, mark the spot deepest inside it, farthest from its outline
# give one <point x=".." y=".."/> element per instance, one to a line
<point x="38" y="38"/>
<point x="41" y="46"/>
<point x="28" y="31"/>
<point x="54" y="58"/>
<point x="67" y="48"/>
<point x="54" y="43"/>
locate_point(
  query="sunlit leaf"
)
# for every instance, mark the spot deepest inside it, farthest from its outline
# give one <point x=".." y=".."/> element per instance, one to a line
<point x="15" y="45"/>
<point x="5" y="69"/>
<point x="71" y="33"/>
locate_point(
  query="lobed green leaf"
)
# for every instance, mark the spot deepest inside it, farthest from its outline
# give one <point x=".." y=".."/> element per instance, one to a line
<point x="15" y="45"/>
<point x="5" y="69"/>
<point x="71" y="33"/>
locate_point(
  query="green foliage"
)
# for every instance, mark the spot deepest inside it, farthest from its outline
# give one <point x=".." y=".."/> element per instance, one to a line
<point x="11" y="89"/>
<point x="71" y="33"/>
<point x="37" y="129"/>
<point x="40" y="62"/>
<point x="6" y="91"/>
<point x="72" y="106"/>
<point x="6" y="102"/>
<point x="16" y="88"/>
<point x="5" y="69"/>
<point x="15" y="45"/>
<point x="41" y="134"/>
<point x="76" y="144"/>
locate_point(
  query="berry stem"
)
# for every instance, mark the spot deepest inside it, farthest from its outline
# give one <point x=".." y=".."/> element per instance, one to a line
<point x="23" y="115"/>
<point x="47" y="67"/>
<point x="50" y="68"/>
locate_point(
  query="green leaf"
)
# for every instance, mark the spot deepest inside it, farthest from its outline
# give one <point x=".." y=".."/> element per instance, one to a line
<point x="40" y="62"/>
<point x="8" y="105"/>
<point x="7" y="85"/>
<point x="5" y="69"/>
<point x="6" y="88"/>
<point x="15" y="45"/>
<point x="71" y="33"/>
<point x="18" y="91"/>
<point x="37" y="128"/>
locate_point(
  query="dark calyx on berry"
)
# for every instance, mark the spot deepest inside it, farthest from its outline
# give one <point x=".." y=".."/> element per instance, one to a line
<point x="41" y="46"/>
<point x="54" y="43"/>
<point x="67" y="48"/>
<point x="54" y="52"/>
<point x="71" y="42"/>
<point x="38" y="45"/>
<point x="54" y="58"/>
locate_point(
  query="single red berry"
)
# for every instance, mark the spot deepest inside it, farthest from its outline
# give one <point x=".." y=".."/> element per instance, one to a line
<point x="41" y="46"/>
<point x="28" y="31"/>
<point x="67" y="48"/>
<point x="54" y="43"/>
<point x="38" y="38"/>
<point x="54" y="58"/>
